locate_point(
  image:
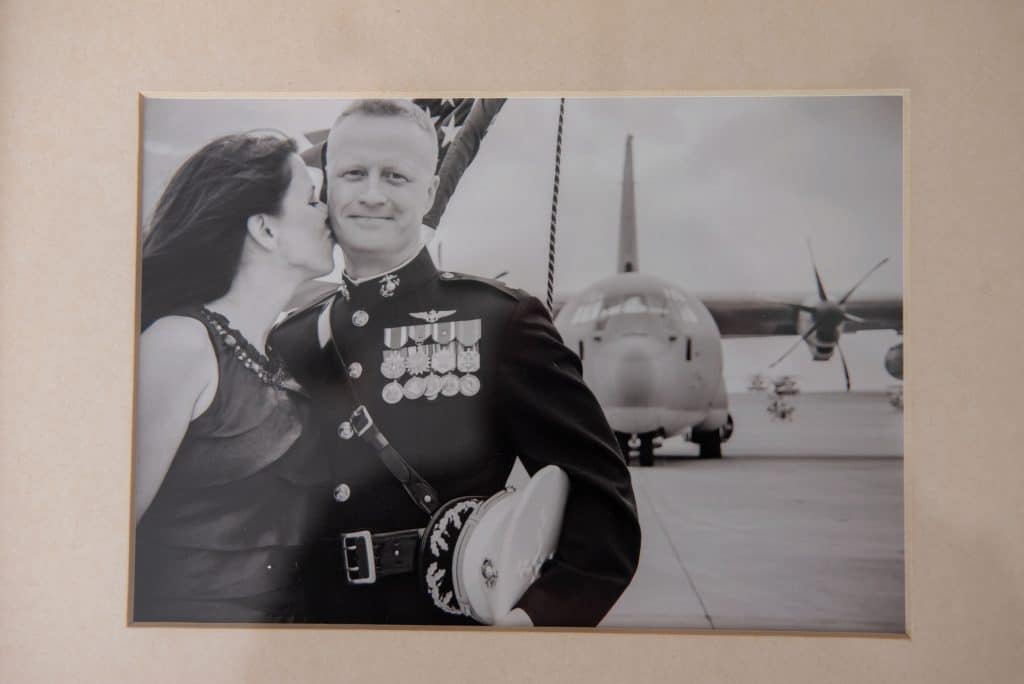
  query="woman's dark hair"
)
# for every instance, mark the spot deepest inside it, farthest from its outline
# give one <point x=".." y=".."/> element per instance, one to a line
<point x="191" y="252"/>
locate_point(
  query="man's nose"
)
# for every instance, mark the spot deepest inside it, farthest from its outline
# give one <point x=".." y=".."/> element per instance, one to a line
<point x="373" y="193"/>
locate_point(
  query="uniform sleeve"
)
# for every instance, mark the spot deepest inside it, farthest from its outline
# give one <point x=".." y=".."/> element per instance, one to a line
<point x="552" y="418"/>
<point x="296" y="342"/>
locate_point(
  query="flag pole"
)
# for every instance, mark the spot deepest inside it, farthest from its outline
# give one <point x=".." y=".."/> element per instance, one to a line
<point x="554" y="207"/>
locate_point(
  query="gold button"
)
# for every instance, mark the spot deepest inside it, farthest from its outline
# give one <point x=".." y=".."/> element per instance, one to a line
<point x="360" y="318"/>
<point x="345" y="430"/>
<point x="355" y="370"/>
<point x="342" y="492"/>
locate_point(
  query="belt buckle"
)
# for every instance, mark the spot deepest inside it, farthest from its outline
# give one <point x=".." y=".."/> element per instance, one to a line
<point x="361" y="420"/>
<point x="360" y="566"/>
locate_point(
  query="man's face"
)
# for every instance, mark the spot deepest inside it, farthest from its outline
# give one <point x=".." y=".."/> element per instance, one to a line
<point x="380" y="183"/>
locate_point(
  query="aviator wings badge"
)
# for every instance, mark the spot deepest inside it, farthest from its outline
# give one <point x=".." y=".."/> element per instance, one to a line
<point x="432" y="316"/>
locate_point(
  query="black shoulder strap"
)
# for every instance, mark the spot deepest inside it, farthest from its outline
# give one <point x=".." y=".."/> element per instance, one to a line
<point x="361" y="423"/>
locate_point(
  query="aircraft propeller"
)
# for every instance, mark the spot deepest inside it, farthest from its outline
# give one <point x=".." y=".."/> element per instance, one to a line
<point x="828" y="314"/>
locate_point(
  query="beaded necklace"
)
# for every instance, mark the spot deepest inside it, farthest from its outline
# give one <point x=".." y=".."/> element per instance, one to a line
<point x="266" y="370"/>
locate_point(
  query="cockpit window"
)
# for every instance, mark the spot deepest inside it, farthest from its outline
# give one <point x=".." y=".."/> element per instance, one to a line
<point x="602" y="308"/>
<point x="586" y="312"/>
<point x="680" y="304"/>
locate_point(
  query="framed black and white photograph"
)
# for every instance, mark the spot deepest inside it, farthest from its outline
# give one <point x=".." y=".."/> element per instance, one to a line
<point x="618" y="362"/>
<point x="511" y="342"/>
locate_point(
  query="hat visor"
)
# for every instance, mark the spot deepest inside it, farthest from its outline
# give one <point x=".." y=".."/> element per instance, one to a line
<point x="509" y="538"/>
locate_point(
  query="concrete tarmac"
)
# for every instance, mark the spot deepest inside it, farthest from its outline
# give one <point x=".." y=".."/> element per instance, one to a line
<point x="769" y="543"/>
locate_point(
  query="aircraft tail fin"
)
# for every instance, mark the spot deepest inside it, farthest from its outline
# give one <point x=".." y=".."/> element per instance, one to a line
<point x="627" y="219"/>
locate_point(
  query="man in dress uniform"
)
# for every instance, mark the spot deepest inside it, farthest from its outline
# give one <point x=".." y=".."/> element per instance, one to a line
<point x="456" y="377"/>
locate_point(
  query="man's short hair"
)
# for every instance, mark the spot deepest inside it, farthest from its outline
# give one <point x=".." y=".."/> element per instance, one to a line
<point x="397" y="108"/>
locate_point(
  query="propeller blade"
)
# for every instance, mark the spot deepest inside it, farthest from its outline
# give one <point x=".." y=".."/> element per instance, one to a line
<point x="796" y="344"/>
<point x="817" y="276"/>
<point x="855" y="319"/>
<point x="846" y="369"/>
<point x="861" y="281"/>
<point x="792" y="305"/>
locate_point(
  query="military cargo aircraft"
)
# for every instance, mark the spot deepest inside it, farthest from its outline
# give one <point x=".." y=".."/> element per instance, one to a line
<point x="652" y="352"/>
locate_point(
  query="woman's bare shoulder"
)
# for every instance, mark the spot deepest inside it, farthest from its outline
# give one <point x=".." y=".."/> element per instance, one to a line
<point x="178" y="340"/>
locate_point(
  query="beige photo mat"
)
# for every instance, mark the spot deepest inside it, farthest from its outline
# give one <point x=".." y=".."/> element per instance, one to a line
<point x="71" y="77"/>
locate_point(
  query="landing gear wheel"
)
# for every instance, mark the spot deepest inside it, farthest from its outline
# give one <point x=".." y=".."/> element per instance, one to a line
<point x="726" y="430"/>
<point x="710" y="443"/>
<point x="647" y="450"/>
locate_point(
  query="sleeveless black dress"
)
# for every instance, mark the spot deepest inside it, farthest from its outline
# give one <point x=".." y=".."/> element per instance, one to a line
<point x="224" y="538"/>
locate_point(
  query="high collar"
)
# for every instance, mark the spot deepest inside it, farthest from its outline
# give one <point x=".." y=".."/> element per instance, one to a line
<point x="402" y="278"/>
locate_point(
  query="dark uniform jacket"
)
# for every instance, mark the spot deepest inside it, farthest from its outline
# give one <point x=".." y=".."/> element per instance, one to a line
<point x="462" y="375"/>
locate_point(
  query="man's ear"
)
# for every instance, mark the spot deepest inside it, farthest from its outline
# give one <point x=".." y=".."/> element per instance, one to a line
<point x="432" y="190"/>
<point x="259" y="229"/>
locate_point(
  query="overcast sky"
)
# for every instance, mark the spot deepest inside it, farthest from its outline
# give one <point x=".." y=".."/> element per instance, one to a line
<point x="728" y="190"/>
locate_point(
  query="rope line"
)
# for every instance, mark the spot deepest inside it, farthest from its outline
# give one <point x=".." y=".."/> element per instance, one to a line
<point x="554" y="207"/>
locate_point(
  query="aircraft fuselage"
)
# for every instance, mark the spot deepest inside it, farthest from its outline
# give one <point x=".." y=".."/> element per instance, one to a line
<point x="651" y="353"/>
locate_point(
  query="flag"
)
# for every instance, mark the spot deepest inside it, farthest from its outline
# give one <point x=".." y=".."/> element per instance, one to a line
<point x="461" y="126"/>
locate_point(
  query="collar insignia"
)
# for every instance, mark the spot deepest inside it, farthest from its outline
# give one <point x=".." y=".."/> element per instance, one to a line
<point x="388" y="285"/>
<point x="432" y="316"/>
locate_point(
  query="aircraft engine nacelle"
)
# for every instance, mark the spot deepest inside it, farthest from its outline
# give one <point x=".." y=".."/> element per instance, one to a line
<point x="828" y="326"/>
<point x="821" y="352"/>
<point x="894" y="361"/>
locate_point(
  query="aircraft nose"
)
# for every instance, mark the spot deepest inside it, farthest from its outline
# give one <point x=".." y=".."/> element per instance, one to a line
<point x="635" y="375"/>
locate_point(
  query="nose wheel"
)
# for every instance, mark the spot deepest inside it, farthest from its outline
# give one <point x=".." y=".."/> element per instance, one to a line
<point x="641" y="445"/>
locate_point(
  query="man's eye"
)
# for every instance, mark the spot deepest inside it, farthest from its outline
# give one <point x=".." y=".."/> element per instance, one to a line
<point x="353" y="174"/>
<point x="395" y="177"/>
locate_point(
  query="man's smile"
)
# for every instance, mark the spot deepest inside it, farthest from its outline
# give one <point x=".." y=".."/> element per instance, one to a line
<point x="367" y="217"/>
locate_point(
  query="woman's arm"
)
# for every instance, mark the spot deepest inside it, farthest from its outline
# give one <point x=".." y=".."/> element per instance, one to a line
<point x="177" y="381"/>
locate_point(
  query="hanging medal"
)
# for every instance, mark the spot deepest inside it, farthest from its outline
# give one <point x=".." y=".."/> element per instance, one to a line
<point x="392" y="392"/>
<point x="469" y="385"/>
<point x="468" y="334"/>
<point x="417" y="360"/>
<point x="469" y="359"/>
<point x="450" y="385"/>
<point x="443" y="360"/>
<point x="414" y="388"/>
<point x="432" y="386"/>
<point x="393" y="366"/>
